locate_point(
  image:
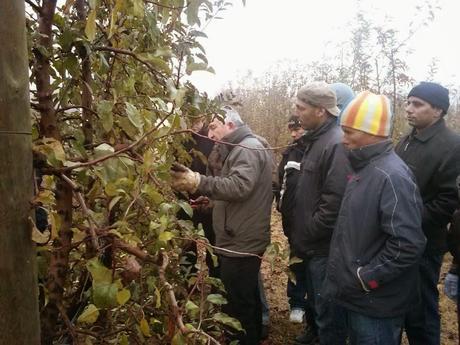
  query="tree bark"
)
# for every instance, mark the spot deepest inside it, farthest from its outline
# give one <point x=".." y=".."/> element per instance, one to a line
<point x="19" y="318"/>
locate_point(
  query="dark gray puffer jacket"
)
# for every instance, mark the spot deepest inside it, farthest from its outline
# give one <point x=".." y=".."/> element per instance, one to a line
<point x="242" y="195"/>
<point x="379" y="232"/>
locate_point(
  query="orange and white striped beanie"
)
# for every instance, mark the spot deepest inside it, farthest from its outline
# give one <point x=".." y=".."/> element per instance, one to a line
<point x="369" y="113"/>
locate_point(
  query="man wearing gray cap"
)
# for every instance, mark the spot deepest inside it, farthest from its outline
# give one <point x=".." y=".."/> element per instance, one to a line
<point x="323" y="177"/>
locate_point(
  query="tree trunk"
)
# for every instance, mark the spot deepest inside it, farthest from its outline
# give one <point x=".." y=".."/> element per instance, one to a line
<point x="19" y="320"/>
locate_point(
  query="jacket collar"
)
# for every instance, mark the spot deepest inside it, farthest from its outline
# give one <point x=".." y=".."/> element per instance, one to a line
<point x="429" y="132"/>
<point x="235" y="137"/>
<point x="238" y="135"/>
<point x="362" y="156"/>
<point x="314" y="134"/>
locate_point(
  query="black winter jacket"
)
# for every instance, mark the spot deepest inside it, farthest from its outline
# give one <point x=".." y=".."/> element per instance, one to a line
<point x="379" y="231"/>
<point x="434" y="157"/>
<point x="323" y="176"/>
<point x="288" y="175"/>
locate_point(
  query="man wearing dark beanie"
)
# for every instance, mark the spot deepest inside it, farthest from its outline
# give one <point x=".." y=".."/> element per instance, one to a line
<point x="432" y="151"/>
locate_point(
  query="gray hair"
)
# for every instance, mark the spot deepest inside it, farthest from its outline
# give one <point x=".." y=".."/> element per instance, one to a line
<point x="231" y="115"/>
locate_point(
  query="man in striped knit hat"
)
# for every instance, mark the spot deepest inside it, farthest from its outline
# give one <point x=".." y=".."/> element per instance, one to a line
<point x="378" y="240"/>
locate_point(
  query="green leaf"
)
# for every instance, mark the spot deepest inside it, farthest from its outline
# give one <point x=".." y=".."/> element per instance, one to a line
<point x="186" y="207"/>
<point x="113" y="202"/>
<point x="93" y="4"/>
<point x="105" y="295"/>
<point x="89" y="315"/>
<point x="192" y="12"/>
<point x="166" y="236"/>
<point x="195" y="66"/>
<point x="99" y="272"/>
<point x="178" y="339"/>
<point x="90" y="29"/>
<point x="228" y="321"/>
<point x="123" y="296"/>
<point x="134" y="115"/>
<point x="216" y="299"/>
<point x="138" y="8"/>
<point x="123" y="340"/>
<point x="295" y="260"/>
<point x="191" y="308"/>
<point x="152" y="193"/>
<point x="104" y="110"/>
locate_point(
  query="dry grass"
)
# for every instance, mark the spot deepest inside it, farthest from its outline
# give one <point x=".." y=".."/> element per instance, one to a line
<point x="282" y="332"/>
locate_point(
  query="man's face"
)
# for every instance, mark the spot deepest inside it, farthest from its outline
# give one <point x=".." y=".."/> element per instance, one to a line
<point x="421" y="114"/>
<point x="308" y="115"/>
<point x="296" y="132"/>
<point x="354" y="139"/>
<point x="217" y="130"/>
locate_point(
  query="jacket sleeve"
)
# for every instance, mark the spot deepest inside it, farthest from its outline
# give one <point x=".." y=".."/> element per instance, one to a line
<point x="400" y="218"/>
<point x="437" y="213"/>
<point x="335" y="170"/>
<point x="245" y="169"/>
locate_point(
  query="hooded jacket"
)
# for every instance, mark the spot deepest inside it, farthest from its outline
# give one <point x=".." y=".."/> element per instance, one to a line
<point x="242" y="194"/>
<point x="323" y="177"/>
<point x="288" y="176"/>
<point x="433" y="155"/>
<point x="378" y="239"/>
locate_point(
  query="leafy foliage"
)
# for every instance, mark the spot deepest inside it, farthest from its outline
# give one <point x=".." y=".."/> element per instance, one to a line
<point x="111" y="111"/>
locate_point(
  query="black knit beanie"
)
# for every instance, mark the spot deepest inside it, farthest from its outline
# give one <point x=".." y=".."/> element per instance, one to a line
<point x="433" y="93"/>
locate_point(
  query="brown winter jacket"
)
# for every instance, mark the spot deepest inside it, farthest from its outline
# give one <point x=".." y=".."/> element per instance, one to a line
<point x="242" y="195"/>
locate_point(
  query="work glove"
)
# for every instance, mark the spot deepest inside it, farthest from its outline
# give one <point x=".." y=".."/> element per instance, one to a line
<point x="183" y="179"/>
<point x="450" y="286"/>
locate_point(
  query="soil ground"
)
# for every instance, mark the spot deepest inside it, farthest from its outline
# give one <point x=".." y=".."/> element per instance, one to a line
<point x="282" y="332"/>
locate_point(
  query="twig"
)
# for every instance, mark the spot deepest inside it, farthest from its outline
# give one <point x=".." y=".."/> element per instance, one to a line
<point x="91" y="221"/>
<point x="231" y="144"/>
<point x="35" y="7"/>
<point x="127" y="148"/>
<point x="137" y="252"/>
<point x="173" y="301"/>
<point x="165" y="6"/>
<point x="133" y="55"/>
<point x="69" y="325"/>
<point x="60" y="110"/>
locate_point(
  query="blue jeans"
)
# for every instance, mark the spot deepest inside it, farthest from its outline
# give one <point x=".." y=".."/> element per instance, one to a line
<point x="296" y="292"/>
<point x="422" y="323"/>
<point x="329" y="317"/>
<point x="365" y="330"/>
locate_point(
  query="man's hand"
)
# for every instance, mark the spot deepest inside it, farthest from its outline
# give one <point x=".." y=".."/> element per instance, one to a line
<point x="201" y="204"/>
<point x="184" y="179"/>
<point x="451" y="285"/>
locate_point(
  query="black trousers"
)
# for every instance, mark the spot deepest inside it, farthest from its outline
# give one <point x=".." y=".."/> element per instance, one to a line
<point x="240" y="278"/>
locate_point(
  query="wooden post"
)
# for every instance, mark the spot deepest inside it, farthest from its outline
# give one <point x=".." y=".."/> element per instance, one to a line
<point x="19" y="318"/>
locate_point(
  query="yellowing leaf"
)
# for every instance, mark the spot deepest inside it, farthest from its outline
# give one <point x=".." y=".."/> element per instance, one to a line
<point x="158" y="298"/>
<point x="123" y="296"/>
<point x="178" y="339"/>
<point x="138" y="8"/>
<point x="89" y="315"/>
<point x="90" y="29"/>
<point x="165" y="236"/>
<point x="38" y="236"/>
<point x="144" y="326"/>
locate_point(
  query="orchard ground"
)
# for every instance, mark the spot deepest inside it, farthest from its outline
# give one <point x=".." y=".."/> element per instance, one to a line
<point x="282" y="332"/>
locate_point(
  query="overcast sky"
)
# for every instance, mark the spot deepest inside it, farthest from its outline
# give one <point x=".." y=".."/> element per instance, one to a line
<point x="265" y="31"/>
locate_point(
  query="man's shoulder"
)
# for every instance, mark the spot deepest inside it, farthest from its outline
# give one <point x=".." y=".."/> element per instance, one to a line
<point x="392" y="167"/>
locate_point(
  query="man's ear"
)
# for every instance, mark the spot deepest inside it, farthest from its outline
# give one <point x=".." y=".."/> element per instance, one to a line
<point x="320" y="112"/>
<point x="439" y="112"/>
